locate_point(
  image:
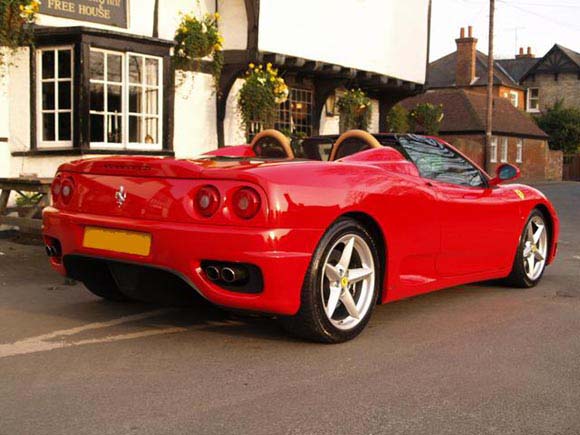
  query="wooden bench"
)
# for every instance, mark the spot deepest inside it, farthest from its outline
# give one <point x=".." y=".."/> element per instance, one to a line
<point x="39" y="187"/>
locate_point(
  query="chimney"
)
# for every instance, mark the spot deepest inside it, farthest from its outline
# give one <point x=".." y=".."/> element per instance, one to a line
<point x="527" y="55"/>
<point x="465" y="67"/>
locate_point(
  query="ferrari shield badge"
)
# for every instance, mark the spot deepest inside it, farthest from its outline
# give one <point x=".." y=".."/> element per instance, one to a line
<point x="520" y="193"/>
<point x="120" y="196"/>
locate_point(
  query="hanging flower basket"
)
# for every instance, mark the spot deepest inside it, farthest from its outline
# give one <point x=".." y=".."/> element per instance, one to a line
<point x="355" y="110"/>
<point x="261" y="94"/>
<point x="197" y="39"/>
<point x="15" y="16"/>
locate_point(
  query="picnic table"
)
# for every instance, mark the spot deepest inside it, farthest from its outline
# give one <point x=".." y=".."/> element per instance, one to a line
<point x="37" y="194"/>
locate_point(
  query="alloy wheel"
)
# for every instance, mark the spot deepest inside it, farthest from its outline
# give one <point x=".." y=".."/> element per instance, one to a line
<point x="535" y="248"/>
<point x="348" y="283"/>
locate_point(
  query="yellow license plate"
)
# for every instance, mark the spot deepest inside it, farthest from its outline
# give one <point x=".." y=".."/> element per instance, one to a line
<point x="126" y="242"/>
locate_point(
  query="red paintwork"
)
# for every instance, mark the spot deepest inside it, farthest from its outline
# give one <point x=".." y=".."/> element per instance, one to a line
<point x="437" y="235"/>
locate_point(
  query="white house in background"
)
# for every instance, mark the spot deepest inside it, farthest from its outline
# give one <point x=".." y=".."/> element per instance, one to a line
<point x="100" y="81"/>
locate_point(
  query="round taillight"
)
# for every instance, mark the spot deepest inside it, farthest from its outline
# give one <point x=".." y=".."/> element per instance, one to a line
<point x="207" y="200"/>
<point x="246" y="203"/>
<point x="66" y="190"/>
<point x="55" y="188"/>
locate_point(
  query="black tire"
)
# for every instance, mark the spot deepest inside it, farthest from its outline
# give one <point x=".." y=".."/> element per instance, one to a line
<point x="311" y="321"/>
<point x="518" y="277"/>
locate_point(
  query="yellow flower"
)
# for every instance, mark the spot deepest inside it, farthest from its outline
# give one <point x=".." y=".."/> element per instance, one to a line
<point x="217" y="16"/>
<point x="221" y="39"/>
<point x="256" y="70"/>
<point x="251" y="65"/>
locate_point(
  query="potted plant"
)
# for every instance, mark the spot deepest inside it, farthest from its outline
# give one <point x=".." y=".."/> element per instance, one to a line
<point x="26" y="203"/>
<point x="261" y="94"/>
<point x="355" y="110"/>
<point x="15" y="16"/>
<point x="198" y="38"/>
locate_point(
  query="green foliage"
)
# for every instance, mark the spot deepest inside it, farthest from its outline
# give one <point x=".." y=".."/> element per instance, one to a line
<point x="355" y="110"/>
<point x="426" y="117"/>
<point x="15" y="15"/>
<point x="198" y="38"/>
<point x="263" y="90"/>
<point x="398" y="119"/>
<point x="562" y="124"/>
<point x="27" y="199"/>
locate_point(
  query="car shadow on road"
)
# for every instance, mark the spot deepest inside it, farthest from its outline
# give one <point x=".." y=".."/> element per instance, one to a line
<point x="204" y="317"/>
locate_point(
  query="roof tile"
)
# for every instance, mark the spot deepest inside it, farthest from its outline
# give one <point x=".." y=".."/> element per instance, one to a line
<point x="465" y="111"/>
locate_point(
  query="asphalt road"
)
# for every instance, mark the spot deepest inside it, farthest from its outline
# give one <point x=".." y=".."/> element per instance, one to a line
<point x="480" y="359"/>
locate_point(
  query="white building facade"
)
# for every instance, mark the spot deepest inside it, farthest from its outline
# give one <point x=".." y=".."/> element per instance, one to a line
<point x="99" y="79"/>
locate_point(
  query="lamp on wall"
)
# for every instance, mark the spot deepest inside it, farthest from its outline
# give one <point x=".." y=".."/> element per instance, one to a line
<point x="330" y="105"/>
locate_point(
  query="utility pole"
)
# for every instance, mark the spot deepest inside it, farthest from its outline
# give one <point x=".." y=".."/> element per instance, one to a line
<point x="489" y="114"/>
<point x="156" y="19"/>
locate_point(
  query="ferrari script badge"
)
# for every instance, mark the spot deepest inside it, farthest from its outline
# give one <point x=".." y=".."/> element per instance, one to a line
<point x="121" y="196"/>
<point x="520" y="193"/>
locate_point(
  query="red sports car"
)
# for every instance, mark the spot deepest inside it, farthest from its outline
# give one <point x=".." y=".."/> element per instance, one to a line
<point x="316" y="241"/>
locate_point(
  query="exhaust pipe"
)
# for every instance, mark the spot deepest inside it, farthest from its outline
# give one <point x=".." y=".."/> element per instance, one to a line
<point x="52" y="247"/>
<point x="231" y="275"/>
<point x="212" y="273"/>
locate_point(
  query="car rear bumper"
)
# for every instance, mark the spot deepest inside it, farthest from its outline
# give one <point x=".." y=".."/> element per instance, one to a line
<point x="282" y="255"/>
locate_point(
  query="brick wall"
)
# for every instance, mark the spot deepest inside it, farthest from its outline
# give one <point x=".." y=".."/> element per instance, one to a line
<point x="567" y="86"/>
<point x="538" y="161"/>
<point x="555" y="165"/>
<point x="500" y="91"/>
<point x="470" y="145"/>
<point x="535" y="158"/>
<point x="504" y="92"/>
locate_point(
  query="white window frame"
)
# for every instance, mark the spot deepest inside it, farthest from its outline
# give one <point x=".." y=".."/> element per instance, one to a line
<point x="515" y="98"/>
<point x="504" y="149"/>
<point x="125" y="84"/>
<point x="529" y="100"/>
<point x="493" y="150"/>
<point x="520" y="151"/>
<point x="41" y="143"/>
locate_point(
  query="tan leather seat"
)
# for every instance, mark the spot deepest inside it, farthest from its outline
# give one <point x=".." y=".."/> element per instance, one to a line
<point x="361" y="135"/>
<point x="272" y="144"/>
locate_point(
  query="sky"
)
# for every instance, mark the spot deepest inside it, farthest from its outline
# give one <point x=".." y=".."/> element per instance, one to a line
<point x="536" y="23"/>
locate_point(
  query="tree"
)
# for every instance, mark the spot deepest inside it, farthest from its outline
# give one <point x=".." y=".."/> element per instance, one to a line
<point x="398" y="119"/>
<point x="562" y="125"/>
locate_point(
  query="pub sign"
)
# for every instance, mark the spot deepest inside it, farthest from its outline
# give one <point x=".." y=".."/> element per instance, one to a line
<point x="111" y="12"/>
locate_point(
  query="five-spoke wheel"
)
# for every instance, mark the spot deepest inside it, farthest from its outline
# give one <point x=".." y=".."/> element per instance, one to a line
<point x="347" y="288"/>
<point x="532" y="253"/>
<point x="341" y="286"/>
<point x="535" y="247"/>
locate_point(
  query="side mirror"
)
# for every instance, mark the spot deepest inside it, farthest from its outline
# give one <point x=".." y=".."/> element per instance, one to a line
<point x="505" y="172"/>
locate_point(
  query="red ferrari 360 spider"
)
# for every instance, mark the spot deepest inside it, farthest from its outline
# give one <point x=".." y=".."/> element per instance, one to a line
<point x="316" y="241"/>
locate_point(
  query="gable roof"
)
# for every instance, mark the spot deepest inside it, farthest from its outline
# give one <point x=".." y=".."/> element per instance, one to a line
<point x="517" y="68"/>
<point x="465" y="112"/>
<point x="558" y="59"/>
<point x="441" y="72"/>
